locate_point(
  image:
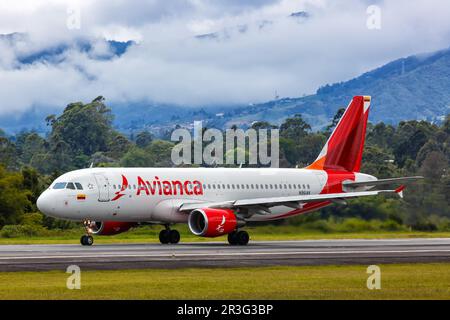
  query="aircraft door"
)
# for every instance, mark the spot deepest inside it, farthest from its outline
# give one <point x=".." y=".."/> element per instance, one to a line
<point x="103" y="187"/>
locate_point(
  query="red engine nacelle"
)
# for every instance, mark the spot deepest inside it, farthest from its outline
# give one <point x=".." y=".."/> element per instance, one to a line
<point x="212" y="222"/>
<point x="109" y="228"/>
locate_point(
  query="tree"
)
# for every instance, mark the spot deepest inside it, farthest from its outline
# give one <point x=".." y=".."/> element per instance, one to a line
<point x="376" y="161"/>
<point x="263" y="125"/>
<point x="335" y="121"/>
<point x="143" y="139"/>
<point x="29" y="145"/>
<point x="137" y="157"/>
<point x="294" y="128"/>
<point x="162" y="151"/>
<point x="410" y="136"/>
<point x="8" y="156"/>
<point x="381" y="135"/>
<point x="85" y="128"/>
<point x="434" y="166"/>
<point x="118" y="146"/>
<point x="81" y="131"/>
<point x="14" y="198"/>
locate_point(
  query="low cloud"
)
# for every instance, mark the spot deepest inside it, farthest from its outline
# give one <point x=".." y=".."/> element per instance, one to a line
<point x="252" y="49"/>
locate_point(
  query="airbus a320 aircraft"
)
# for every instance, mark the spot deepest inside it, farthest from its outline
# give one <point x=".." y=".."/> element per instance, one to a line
<point x="217" y="201"/>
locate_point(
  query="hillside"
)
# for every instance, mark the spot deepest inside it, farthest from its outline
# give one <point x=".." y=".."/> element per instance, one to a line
<point x="416" y="87"/>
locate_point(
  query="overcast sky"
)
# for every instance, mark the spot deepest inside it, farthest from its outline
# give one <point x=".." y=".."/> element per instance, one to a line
<point x="259" y="48"/>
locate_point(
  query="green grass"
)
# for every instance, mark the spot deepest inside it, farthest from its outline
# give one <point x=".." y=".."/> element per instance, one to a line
<point x="398" y="281"/>
<point x="283" y="232"/>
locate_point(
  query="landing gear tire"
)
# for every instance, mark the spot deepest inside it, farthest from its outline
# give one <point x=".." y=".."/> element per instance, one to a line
<point x="232" y="238"/>
<point x="86" y="240"/>
<point x="174" y="236"/>
<point x="164" y="236"/>
<point x="169" y="236"/>
<point x="242" y="238"/>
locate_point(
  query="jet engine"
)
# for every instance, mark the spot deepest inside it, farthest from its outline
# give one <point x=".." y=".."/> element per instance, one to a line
<point x="109" y="228"/>
<point x="210" y="222"/>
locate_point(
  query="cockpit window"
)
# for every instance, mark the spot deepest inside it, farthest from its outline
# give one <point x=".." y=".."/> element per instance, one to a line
<point x="71" y="186"/>
<point x="79" y="186"/>
<point x="60" y="185"/>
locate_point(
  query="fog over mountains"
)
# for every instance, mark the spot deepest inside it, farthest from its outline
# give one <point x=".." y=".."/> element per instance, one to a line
<point x="415" y="87"/>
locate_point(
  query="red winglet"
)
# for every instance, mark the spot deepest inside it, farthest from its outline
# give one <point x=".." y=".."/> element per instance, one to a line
<point x="399" y="191"/>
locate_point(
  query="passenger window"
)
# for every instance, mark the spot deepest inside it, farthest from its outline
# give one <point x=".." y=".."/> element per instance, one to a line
<point x="71" y="186"/>
<point x="59" y="185"/>
<point x="79" y="186"/>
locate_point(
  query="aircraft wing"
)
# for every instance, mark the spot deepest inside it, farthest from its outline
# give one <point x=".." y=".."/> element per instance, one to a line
<point x="290" y="201"/>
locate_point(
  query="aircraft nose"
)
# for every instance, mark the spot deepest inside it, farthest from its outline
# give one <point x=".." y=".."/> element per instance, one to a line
<point x="45" y="203"/>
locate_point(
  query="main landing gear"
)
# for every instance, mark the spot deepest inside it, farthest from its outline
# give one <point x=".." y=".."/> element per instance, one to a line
<point x="87" y="239"/>
<point x="240" y="238"/>
<point x="169" y="236"/>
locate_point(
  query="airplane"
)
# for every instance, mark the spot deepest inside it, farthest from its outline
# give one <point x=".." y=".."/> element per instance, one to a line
<point x="217" y="201"/>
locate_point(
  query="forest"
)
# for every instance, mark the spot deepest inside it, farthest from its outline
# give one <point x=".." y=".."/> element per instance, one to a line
<point x="83" y="135"/>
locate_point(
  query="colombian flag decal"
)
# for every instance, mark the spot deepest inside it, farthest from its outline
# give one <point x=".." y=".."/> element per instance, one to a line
<point x="81" y="196"/>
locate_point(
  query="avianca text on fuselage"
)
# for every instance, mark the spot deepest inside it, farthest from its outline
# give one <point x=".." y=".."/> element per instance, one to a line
<point x="158" y="186"/>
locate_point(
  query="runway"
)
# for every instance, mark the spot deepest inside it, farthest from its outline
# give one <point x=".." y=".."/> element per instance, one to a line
<point x="217" y="254"/>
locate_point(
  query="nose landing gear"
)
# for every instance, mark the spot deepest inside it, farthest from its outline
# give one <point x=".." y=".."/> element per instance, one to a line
<point x="169" y="236"/>
<point x="87" y="239"/>
<point x="240" y="238"/>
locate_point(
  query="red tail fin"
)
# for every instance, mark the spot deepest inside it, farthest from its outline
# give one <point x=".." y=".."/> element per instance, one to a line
<point x="344" y="148"/>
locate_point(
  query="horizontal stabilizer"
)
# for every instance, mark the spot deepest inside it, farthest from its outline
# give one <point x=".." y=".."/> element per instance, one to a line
<point x="401" y="180"/>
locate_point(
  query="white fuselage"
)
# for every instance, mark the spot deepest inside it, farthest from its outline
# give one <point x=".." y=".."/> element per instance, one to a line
<point x="155" y="194"/>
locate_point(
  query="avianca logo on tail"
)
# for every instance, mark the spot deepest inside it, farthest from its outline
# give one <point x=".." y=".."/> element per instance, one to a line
<point x="158" y="186"/>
